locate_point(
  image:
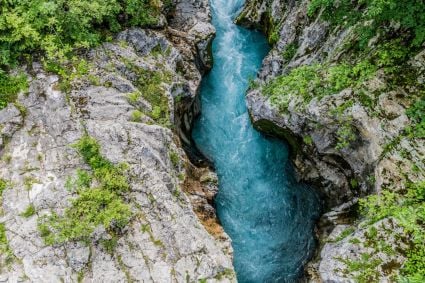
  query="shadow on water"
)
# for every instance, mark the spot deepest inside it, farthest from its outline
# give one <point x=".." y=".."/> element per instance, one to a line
<point x="269" y="216"/>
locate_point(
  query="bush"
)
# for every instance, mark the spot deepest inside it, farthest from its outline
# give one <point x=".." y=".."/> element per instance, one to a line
<point x="3" y="186"/>
<point x="5" y="251"/>
<point x="408" y="209"/>
<point x="10" y="86"/>
<point x="319" y="80"/>
<point x="103" y="205"/>
<point x="374" y="16"/>
<point x="55" y="28"/>
<point x="29" y="211"/>
<point x="416" y="113"/>
<point x="289" y="51"/>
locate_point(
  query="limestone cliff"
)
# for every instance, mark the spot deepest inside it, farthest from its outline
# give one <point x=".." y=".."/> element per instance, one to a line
<point x="134" y="96"/>
<point x="348" y="144"/>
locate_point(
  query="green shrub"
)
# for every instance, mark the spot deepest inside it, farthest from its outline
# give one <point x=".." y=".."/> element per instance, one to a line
<point x="344" y="234"/>
<point x="318" y="80"/>
<point x="10" y="86"/>
<point x="416" y="113"/>
<point x="150" y="83"/>
<point x="365" y="267"/>
<point x="133" y="97"/>
<point x="29" y="211"/>
<point x="136" y="116"/>
<point x="103" y="205"/>
<point x="345" y="135"/>
<point x="3" y="186"/>
<point x="301" y="82"/>
<point x="408" y="209"/>
<point x="273" y="34"/>
<point x="308" y="140"/>
<point x="289" y="51"/>
<point x="55" y="28"/>
<point x="373" y="16"/>
<point x="5" y="250"/>
<point x="174" y="157"/>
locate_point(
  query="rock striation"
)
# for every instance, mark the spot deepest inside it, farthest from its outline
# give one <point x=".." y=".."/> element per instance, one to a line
<point x="112" y="102"/>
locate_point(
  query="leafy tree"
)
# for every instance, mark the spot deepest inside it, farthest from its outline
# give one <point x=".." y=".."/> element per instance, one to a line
<point x="57" y="27"/>
<point x="375" y="15"/>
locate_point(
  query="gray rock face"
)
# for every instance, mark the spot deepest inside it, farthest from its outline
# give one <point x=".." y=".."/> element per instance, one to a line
<point x="192" y="33"/>
<point x="353" y="247"/>
<point x="165" y="240"/>
<point x="341" y="174"/>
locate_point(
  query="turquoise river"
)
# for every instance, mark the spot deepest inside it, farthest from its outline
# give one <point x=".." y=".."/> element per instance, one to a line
<point x="267" y="214"/>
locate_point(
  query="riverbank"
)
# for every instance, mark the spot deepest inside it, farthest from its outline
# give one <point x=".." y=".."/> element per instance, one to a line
<point x="349" y="117"/>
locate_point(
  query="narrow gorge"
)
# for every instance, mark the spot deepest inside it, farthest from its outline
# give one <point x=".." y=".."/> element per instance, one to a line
<point x="267" y="214"/>
<point x="212" y="141"/>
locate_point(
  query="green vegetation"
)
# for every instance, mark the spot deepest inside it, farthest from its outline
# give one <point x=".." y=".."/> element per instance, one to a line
<point x="5" y="251"/>
<point x="365" y="268"/>
<point x="151" y="86"/>
<point x="136" y="116"/>
<point x="29" y="211"/>
<point x="416" y="114"/>
<point x="103" y="205"/>
<point x="109" y="244"/>
<point x="174" y="157"/>
<point x="29" y="182"/>
<point x="56" y="28"/>
<point x="133" y="97"/>
<point x="344" y="234"/>
<point x="345" y="135"/>
<point x="408" y="209"/>
<point x="289" y="51"/>
<point x="308" y="140"/>
<point x="373" y="16"/>
<point x="153" y="91"/>
<point x="10" y="86"/>
<point x="55" y="31"/>
<point x="273" y="33"/>
<point x="73" y="69"/>
<point x="3" y="186"/>
<point x="307" y="82"/>
<point x="225" y="273"/>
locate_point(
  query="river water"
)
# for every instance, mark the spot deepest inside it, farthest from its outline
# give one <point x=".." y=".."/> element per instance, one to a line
<point x="267" y="214"/>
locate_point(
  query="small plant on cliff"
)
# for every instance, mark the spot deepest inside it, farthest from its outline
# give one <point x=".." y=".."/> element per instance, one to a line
<point x="10" y="86"/>
<point x="150" y="83"/>
<point x="416" y="114"/>
<point x="5" y="251"/>
<point x="102" y="205"/>
<point x="345" y="135"/>
<point x="408" y="209"/>
<point x="289" y="51"/>
<point x="3" y="186"/>
<point x="29" y="211"/>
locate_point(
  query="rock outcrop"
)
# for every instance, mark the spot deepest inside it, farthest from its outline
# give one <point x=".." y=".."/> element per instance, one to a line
<point x="377" y="155"/>
<point x="112" y="101"/>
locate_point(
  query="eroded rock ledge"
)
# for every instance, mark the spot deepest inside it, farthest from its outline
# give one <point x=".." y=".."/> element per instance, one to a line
<point x="165" y="241"/>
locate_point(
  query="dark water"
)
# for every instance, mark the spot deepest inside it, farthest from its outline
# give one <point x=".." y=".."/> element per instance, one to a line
<point x="267" y="214"/>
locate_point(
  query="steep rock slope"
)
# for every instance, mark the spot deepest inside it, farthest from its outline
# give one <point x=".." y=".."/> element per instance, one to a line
<point x="350" y="140"/>
<point x="124" y="98"/>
